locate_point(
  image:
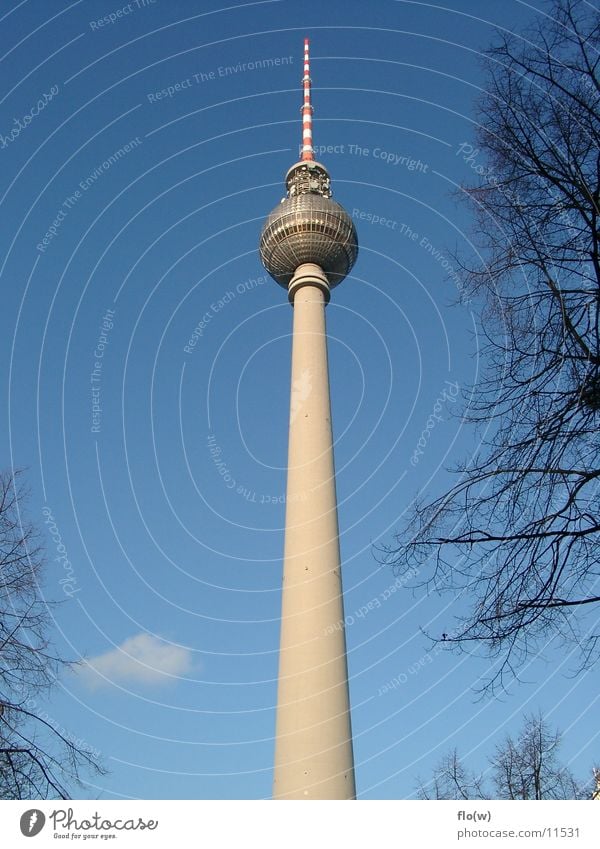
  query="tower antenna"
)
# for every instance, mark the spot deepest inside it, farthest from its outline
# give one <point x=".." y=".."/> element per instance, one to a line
<point x="307" y="110"/>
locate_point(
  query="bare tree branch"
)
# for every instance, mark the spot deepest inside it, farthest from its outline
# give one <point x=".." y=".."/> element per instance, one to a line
<point x="525" y="768"/>
<point x="37" y="758"/>
<point x="519" y="532"/>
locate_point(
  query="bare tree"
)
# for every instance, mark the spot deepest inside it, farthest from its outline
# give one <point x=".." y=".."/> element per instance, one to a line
<point x="451" y="780"/>
<point x="37" y="758"/>
<point x="528" y="767"/>
<point x="523" y="768"/>
<point x="519" y="531"/>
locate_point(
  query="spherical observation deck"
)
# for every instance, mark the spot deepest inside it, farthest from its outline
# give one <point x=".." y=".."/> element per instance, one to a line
<point x="308" y="227"/>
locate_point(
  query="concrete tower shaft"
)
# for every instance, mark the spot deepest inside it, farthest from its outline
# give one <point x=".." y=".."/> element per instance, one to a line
<point x="313" y="743"/>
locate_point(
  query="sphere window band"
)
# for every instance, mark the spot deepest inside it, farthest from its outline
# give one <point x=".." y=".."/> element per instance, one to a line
<point x="308" y="228"/>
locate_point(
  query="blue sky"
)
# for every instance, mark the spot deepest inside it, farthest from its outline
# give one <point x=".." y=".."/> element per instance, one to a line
<point x="132" y="203"/>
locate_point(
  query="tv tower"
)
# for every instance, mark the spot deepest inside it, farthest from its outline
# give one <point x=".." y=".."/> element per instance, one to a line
<point x="308" y="244"/>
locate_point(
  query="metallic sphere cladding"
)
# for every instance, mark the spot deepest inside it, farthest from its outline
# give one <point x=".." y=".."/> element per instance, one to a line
<point x="308" y="228"/>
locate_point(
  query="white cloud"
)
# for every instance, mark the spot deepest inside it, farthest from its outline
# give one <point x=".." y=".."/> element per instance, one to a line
<point x="140" y="659"/>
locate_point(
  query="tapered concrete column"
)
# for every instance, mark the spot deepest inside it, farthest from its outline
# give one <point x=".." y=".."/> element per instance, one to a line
<point x="313" y="749"/>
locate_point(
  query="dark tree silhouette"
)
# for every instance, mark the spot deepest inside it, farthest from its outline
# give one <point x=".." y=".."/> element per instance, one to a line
<point x="523" y="768"/>
<point x="451" y="780"/>
<point x="519" y="530"/>
<point x="38" y="759"/>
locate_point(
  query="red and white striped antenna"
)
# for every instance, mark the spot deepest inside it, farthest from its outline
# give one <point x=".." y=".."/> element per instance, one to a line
<point x="307" y="110"/>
